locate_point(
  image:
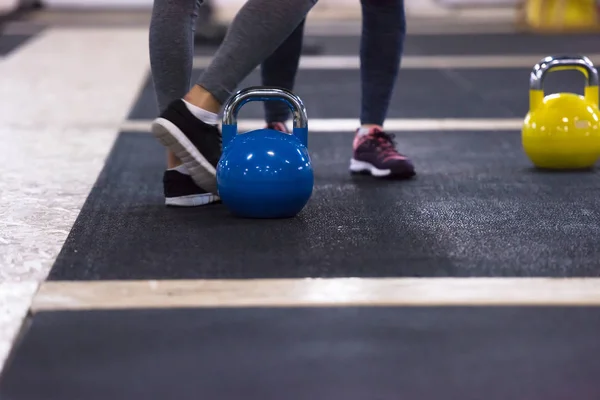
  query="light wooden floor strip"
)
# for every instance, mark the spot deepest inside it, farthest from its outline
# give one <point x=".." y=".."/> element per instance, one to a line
<point x="350" y="124"/>
<point x="317" y="293"/>
<point x="421" y="62"/>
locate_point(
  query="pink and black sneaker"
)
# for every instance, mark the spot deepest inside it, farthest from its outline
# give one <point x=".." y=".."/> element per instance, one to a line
<point x="375" y="153"/>
<point x="278" y="126"/>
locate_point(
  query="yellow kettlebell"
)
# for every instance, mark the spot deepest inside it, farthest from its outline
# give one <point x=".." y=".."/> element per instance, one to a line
<point x="561" y="15"/>
<point x="562" y="130"/>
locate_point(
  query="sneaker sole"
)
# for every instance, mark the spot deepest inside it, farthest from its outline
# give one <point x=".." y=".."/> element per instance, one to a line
<point x="362" y="167"/>
<point x="194" y="200"/>
<point x="201" y="171"/>
<point x="358" y="167"/>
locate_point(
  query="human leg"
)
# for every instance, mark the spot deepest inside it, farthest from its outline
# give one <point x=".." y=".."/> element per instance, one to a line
<point x="171" y="41"/>
<point x="188" y="126"/>
<point x="382" y="41"/>
<point x="280" y="69"/>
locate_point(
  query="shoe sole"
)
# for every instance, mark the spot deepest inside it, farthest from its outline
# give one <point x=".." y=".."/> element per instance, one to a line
<point x="362" y="167"/>
<point x="195" y="200"/>
<point x="201" y="171"/>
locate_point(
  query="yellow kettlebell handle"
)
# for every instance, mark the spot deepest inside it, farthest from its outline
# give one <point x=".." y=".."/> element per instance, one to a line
<point x="580" y="63"/>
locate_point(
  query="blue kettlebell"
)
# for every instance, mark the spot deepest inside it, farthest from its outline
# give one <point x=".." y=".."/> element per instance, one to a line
<point x="265" y="173"/>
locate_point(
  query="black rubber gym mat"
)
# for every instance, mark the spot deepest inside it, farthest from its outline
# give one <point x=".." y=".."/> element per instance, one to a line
<point x="461" y="44"/>
<point x="458" y="93"/>
<point x="476" y="209"/>
<point x="309" y="354"/>
<point x="9" y="43"/>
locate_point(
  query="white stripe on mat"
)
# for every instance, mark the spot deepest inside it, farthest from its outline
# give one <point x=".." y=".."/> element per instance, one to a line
<point x="341" y="292"/>
<point x="350" y="124"/>
<point x="421" y="62"/>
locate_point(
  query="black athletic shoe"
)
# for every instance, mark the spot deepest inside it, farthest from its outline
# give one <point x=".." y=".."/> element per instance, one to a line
<point x="197" y="144"/>
<point x="181" y="191"/>
<point x="376" y="154"/>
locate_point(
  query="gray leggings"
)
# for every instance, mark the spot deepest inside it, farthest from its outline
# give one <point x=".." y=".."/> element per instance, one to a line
<point x="255" y="33"/>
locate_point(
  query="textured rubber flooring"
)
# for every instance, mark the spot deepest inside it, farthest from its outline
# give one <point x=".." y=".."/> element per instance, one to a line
<point x="460" y="44"/>
<point x="308" y="354"/>
<point x="9" y="43"/>
<point x="458" y="93"/>
<point x="477" y="208"/>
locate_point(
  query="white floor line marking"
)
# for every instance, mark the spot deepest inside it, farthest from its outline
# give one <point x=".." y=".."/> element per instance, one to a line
<point x="350" y="124"/>
<point x="317" y="293"/>
<point x="420" y="62"/>
<point x="15" y="299"/>
<point x="427" y="27"/>
<point x="68" y="91"/>
<point x="65" y="92"/>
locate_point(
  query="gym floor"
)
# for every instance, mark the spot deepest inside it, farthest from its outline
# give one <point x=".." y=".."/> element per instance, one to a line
<point x="476" y="280"/>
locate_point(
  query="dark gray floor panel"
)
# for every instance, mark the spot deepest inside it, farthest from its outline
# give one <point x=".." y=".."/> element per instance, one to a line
<point x="459" y="93"/>
<point x="9" y="43"/>
<point x="477" y="208"/>
<point x="309" y="354"/>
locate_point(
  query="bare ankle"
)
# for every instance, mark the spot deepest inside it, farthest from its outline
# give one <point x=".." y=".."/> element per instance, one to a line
<point x="200" y="97"/>
<point x="172" y="160"/>
<point x="371" y="126"/>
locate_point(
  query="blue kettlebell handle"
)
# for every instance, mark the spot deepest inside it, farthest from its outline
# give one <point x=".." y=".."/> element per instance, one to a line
<point x="264" y="93"/>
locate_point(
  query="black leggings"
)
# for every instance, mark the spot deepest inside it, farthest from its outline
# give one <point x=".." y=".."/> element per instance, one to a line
<point x="381" y="46"/>
<point x="257" y="32"/>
